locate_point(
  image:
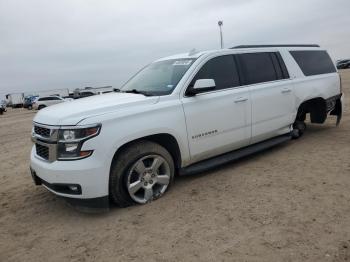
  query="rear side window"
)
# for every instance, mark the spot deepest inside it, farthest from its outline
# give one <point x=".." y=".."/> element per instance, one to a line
<point x="261" y="67"/>
<point x="314" y="62"/>
<point x="222" y="69"/>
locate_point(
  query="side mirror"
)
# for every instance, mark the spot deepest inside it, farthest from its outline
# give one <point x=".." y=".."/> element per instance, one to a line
<point x="202" y="85"/>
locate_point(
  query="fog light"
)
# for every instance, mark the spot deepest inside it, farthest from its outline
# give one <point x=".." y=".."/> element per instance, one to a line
<point x="73" y="188"/>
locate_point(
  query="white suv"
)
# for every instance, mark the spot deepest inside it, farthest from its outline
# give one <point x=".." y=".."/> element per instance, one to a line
<point x="43" y="102"/>
<point x="179" y="115"/>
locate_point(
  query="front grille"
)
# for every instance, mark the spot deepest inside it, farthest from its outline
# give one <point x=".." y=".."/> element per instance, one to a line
<point x="42" y="151"/>
<point x="42" y="131"/>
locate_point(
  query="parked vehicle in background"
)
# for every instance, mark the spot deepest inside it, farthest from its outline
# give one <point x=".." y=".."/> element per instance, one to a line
<point x="91" y="91"/>
<point x="343" y="64"/>
<point x="28" y="102"/>
<point x="43" y="102"/>
<point x="104" y="92"/>
<point x="2" y="106"/>
<point x="86" y="94"/>
<point x="62" y="92"/>
<point x="180" y="115"/>
<point x="70" y="96"/>
<point x="15" y="99"/>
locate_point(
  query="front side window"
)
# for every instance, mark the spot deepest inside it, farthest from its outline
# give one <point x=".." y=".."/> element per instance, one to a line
<point x="222" y="69"/>
<point x="158" y="78"/>
<point x="258" y="67"/>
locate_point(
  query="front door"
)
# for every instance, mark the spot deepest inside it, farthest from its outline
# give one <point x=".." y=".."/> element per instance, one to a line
<point x="218" y="121"/>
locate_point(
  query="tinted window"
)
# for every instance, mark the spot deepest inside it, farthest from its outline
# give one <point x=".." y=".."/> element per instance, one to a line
<point x="259" y="67"/>
<point x="159" y="78"/>
<point x="86" y="94"/>
<point x="282" y="65"/>
<point x="314" y="62"/>
<point x="222" y="69"/>
<point x="44" y="99"/>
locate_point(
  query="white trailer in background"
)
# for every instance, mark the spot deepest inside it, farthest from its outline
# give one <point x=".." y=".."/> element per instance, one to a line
<point x="15" y="99"/>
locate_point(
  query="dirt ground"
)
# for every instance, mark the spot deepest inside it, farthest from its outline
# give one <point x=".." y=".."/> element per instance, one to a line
<point x="290" y="203"/>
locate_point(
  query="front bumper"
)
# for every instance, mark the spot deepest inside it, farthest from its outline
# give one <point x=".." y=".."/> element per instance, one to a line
<point x="89" y="176"/>
<point x="88" y="204"/>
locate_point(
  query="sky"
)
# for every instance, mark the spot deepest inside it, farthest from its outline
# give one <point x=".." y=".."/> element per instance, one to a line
<point x="76" y="43"/>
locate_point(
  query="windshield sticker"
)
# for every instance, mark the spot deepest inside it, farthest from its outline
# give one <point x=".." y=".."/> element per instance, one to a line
<point x="182" y="62"/>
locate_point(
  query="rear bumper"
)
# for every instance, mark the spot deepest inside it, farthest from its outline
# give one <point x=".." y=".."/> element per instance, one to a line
<point x="336" y="105"/>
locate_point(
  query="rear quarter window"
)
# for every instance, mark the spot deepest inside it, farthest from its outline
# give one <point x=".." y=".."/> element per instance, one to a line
<point x="314" y="62"/>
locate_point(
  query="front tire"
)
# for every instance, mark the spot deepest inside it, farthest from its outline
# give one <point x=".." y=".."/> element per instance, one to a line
<point x="140" y="173"/>
<point x="41" y="107"/>
<point x="298" y="129"/>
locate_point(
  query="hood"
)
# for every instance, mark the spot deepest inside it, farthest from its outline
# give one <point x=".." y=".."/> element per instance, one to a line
<point x="72" y="112"/>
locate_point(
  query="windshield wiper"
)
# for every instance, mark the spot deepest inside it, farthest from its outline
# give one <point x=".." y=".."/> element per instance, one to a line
<point x="135" y="91"/>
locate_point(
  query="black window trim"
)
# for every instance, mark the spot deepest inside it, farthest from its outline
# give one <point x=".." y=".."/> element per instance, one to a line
<point x="276" y="66"/>
<point x="284" y="71"/>
<point x="303" y="71"/>
<point x="199" y="67"/>
<point x="283" y="66"/>
<point x="242" y="82"/>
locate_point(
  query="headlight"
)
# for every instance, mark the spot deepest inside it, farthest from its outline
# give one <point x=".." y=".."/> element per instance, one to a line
<point x="70" y="141"/>
<point x="68" y="135"/>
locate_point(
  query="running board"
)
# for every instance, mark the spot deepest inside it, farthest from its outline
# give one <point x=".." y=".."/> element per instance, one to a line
<point x="232" y="156"/>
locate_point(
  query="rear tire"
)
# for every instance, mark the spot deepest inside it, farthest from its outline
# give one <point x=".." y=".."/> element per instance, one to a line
<point x="140" y="173"/>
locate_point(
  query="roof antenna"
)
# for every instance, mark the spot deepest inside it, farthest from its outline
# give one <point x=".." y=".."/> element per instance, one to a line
<point x="192" y="52"/>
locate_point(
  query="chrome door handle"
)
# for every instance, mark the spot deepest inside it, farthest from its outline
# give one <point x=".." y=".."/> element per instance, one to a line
<point x="286" y="90"/>
<point x="241" y="99"/>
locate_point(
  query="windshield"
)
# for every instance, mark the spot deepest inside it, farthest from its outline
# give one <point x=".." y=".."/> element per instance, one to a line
<point x="158" y="78"/>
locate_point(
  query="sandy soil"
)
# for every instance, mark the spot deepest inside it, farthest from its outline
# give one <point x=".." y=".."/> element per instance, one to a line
<point x="290" y="203"/>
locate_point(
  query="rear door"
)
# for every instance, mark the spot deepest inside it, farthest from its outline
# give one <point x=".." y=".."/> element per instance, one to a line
<point x="271" y="91"/>
<point x="218" y="121"/>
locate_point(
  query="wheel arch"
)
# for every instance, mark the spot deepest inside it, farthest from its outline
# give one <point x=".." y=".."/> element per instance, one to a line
<point x="166" y="140"/>
<point x="316" y="107"/>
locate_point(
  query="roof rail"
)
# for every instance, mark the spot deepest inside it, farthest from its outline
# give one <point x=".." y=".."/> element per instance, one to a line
<point x="263" y="46"/>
